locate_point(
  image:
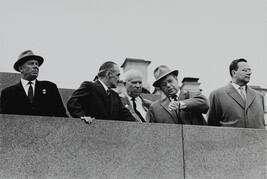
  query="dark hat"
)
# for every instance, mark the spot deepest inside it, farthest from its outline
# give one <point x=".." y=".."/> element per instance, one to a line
<point x="25" y="56"/>
<point x="162" y="71"/>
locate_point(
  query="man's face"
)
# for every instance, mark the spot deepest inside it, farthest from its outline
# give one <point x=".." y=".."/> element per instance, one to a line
<point x="242" y="75"/>
<point x="169" y="85"/>
<point x="134" y="86"/>
<point x="113" y="77"/>
<point x="29" y="70"/>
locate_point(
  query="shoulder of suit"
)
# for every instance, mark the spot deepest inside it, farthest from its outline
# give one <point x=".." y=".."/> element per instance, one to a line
<point x="220" y="89"/>
<point x="253" y="90"/>
<point x="12" y="87"/>
<point x="157" y="102"/>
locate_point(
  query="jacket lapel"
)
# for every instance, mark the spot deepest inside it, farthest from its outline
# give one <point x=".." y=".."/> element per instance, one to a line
<point x="145" y="103"/>
<point x="231" y="91"/>
<point x="104" y="95"/>
<point x="165" y="104"/>
<point x="250" y="97"/>
<point x="21" y="92"/>
<point x="126" y="102"/>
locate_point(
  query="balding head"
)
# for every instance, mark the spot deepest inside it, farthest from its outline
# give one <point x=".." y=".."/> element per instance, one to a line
<point x="133" y="82"/>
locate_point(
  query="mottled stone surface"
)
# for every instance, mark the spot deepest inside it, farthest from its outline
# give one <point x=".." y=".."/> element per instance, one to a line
<point x="216" y="152"/>
<point x="8" y="79"/>
<point x="40" y="147"/>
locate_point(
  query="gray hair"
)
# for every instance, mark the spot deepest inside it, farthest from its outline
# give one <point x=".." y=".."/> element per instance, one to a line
<point x="128" y="75"/>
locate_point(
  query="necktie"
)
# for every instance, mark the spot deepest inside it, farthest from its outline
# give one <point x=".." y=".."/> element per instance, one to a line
<point x="136" y="111"/>
<point x="175" y="97"/>
<point x="108" y="92"/>
<point x="242" y="93"/>
<point x="30" y="92"/>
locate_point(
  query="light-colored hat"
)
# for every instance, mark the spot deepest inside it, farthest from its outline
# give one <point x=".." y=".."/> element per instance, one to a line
<point x="162" y="71"/>
<point x="25" y="56"/>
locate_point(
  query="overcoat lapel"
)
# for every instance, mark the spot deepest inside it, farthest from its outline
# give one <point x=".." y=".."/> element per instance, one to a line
<point x="165" y="104"/>
<point x="250" y="97"/>
<point x="231" y="91"/>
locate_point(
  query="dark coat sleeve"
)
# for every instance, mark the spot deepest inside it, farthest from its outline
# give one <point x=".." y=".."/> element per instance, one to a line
<point x="74" y="104"/>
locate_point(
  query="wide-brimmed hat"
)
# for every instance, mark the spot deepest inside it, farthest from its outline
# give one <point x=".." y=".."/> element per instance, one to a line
<point x="25" y="56"/>
<point x="162" y="71"/>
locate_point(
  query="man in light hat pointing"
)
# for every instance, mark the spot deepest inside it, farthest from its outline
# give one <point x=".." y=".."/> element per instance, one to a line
<point x="177" y="107"/>
<point x="30" y="96"/>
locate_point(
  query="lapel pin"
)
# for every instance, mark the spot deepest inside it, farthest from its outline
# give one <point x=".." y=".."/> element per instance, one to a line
<point x="44" y="91"/>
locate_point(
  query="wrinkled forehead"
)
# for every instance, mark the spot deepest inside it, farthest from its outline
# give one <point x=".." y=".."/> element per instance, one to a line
<point x="135" y="77"/>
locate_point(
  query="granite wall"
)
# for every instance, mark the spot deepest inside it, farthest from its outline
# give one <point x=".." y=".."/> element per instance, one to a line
<point x="50" y="147"/>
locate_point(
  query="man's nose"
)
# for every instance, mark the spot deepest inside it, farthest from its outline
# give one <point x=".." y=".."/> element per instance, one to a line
<point x="138" y="84"/>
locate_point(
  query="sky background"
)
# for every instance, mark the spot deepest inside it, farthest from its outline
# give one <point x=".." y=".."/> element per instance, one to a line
<point x="199" y="38"/>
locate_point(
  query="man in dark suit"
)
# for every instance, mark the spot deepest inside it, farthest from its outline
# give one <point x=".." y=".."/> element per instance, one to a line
<point x="132" y="100"/>
<point x="236" y="104"/>
<point x="177" y="107"/>
<point x="97" y="100"/>
<point x="30" y="96"/>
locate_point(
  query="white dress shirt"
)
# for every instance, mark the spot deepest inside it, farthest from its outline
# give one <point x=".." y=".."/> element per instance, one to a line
<point x="26" y="85"/>
<point x="237" y="87"/>
<point x="139" y="105"/>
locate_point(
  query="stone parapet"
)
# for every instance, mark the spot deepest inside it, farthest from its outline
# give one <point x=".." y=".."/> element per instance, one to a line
<point x="51" y="147"/>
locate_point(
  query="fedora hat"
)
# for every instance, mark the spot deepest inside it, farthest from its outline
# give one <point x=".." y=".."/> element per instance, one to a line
<point x="25" y="56"/>
<point x="162" y="71"/>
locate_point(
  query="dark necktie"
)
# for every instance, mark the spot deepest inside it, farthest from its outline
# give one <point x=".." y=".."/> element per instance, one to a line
<point x="30" y="92"/>
<point x="136" y="111"/>
<point x="108" y="92"/>
<point x="175" y="97"/>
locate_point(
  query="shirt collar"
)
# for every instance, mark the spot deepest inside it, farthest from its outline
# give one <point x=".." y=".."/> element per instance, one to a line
<point x="130" y="98"/>
<point x="104" y="85"/>
<point x="237" y="86"/>
<point x="26" y="82"/>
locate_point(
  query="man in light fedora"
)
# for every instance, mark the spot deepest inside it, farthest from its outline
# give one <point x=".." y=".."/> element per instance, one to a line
<point x="177" y="107"/>
<point x="30" y="96"/>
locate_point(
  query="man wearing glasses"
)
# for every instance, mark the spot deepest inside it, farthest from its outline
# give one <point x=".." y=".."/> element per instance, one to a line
<point x="236" y="104"/>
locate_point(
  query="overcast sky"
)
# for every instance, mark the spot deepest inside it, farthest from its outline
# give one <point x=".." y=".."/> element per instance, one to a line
<point x="199" y="38"/>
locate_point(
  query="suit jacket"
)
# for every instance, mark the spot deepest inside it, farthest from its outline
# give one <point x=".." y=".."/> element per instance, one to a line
<point x="92" y="100"/>
<point x="192" y="114"/>
<point x="47" y="100"/>
<point x="145" y="103"/>
<point x="227" y="108"/>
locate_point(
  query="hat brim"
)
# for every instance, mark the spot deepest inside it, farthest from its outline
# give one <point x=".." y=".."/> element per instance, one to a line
<point x="25" y="59"/>
<point x="156" y="83"/>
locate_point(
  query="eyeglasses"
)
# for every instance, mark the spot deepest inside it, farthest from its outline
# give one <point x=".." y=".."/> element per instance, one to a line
<point x="246" y="70"/>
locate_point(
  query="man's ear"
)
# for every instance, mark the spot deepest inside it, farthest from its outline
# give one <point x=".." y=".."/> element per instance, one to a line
<point x="20" y="68"/>
<point x="233" y="72"/>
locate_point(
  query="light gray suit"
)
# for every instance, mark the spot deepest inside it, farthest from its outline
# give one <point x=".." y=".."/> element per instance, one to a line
<point x="192" y="114"/>
<point x="227" y="108"/>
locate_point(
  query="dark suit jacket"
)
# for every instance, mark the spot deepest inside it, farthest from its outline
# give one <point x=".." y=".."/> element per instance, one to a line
<point x="192" y="114"/>
<point x="47" y="100"/>
<point x="145" y="103"/>
<point x="92" y="100"/>
<point x="227" y="108"/>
